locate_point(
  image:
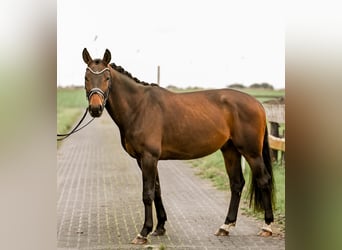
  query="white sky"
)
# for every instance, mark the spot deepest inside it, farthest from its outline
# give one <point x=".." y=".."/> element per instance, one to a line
<point x="208" y="43"/>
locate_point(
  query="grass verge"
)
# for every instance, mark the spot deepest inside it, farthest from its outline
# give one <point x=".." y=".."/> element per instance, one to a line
<point x="71" y="102"/>
<point x="212" y="167"/>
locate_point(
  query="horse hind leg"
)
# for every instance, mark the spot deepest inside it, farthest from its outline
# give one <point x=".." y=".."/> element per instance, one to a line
<point x="262" y="191"/>
<point x="254" y="146"/>
<point x="232" y="159"/>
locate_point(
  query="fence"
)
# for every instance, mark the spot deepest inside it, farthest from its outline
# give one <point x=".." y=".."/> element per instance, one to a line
<point x="275" y="114"/>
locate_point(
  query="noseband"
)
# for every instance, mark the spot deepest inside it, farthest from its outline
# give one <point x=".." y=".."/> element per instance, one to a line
<point x="98" y="90"/>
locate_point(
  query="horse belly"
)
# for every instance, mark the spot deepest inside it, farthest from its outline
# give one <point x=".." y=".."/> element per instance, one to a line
<point x="193" y="145"/>
<point x="198" y="128"/>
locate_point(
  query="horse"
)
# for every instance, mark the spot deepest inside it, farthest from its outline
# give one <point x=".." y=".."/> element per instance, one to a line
<point x="157" y="124"/>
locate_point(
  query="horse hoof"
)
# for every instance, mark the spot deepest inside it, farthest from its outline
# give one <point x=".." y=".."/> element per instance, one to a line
<point x="266" y="230"/>
<point x="139" y="240"/>
<point x="221" y="232"/>
<point x="264" y="233"/>
<point x="159" y="232"/>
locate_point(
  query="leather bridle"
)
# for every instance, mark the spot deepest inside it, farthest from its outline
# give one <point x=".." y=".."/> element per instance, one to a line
<point x="99" y="91"/>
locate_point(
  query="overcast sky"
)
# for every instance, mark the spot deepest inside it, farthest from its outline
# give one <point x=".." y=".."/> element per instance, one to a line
<point x="196" y="43"/>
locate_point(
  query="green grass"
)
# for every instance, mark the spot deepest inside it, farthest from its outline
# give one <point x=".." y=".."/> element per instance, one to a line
<point x="279" y="180"/>
<point x="263" y="94"/>
<point x="71" y="102"/>
<point x="212" y="167"/>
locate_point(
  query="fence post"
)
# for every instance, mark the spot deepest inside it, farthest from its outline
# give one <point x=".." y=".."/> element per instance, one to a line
<point x="282" y="158"/>
<point x="158" y="75"/>
<point x="275" y="132"/>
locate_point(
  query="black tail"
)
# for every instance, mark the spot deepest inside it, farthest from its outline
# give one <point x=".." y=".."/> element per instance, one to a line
<point x="255" y="191"/>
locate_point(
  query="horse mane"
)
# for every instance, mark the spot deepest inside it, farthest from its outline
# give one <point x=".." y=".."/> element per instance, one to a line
<point x="126" y="73"/>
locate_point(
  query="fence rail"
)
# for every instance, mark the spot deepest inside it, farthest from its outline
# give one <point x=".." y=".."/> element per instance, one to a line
<point x="276" y="143"/>
<point x="275" y="113"/>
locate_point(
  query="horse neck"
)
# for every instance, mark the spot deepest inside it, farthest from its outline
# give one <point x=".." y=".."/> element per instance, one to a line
<point x="124" y="98"/>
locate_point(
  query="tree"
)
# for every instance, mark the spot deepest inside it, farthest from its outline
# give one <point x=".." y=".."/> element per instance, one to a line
<point x="236" y="86"/>
<point x="263" y="85"/>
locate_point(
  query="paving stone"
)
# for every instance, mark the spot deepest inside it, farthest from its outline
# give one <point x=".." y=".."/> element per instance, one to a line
<point x="100" y="205"/>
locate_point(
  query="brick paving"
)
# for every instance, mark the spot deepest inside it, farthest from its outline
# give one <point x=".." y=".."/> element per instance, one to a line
<point x="100" y="205"/>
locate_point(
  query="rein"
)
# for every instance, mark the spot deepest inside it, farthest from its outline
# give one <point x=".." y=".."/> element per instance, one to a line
<point x="75" y="129"/>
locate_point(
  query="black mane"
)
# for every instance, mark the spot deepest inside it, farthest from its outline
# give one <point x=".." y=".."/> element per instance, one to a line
<point x="123" y="71"/>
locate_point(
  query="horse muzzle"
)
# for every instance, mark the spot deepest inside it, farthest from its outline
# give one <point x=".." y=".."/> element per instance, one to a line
<point x="97" y="101"/>
<point x="95" y="110"/>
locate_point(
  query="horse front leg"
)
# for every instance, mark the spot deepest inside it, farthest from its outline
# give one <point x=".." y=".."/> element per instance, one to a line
<point x="161" y="214"/>
<point x="148" y="165"/>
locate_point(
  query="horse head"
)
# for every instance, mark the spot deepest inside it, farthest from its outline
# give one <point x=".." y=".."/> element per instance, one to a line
<point x="97" y="82"/>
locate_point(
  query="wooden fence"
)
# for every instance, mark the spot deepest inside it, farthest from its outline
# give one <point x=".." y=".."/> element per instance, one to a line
<point x="276" y="143"/>
<point x="275" y="113"/>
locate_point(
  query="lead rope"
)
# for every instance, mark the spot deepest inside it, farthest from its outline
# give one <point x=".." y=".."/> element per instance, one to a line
<point x="75" y="129"/>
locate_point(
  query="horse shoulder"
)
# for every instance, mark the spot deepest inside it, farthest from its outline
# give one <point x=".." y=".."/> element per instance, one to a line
<point x="143" y="134"/>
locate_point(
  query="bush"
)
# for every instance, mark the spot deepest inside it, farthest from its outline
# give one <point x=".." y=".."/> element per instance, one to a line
<point x="236" y="86"/>
<point x="263" y="85"/>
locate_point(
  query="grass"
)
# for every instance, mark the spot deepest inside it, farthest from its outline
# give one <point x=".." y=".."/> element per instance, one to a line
<point x="261" y="94"/>
<point x="71" y="102"/>
<point x="212" y="167"/>
<point x="279" y="180"/>
<point x="264" y="94"/>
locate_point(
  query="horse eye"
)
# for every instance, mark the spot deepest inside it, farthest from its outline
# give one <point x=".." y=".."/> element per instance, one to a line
<point x="107" y="79"/>
<point x="86" y="79"/>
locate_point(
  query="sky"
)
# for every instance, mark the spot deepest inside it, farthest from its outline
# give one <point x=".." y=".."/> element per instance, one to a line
<point x="209" y="43"/>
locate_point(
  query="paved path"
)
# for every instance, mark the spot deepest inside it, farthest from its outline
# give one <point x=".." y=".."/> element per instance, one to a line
<point x="100" y="205"/>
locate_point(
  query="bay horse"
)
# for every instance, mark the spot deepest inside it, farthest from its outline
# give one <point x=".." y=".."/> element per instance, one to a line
<point x="157" y="124"/>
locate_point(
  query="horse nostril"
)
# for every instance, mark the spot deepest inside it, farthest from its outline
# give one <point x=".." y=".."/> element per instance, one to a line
<point x="95" y="110"/>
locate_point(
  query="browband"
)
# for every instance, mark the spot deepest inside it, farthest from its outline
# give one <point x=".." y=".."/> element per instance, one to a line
<point x="97" y="72"/>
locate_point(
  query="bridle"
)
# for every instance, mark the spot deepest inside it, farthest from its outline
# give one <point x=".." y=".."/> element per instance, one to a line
<point x="99" y="91"/>
<point x="91" y="92"/>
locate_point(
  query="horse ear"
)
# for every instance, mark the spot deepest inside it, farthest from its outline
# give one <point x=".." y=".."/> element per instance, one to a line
<point x="86" y="57"/>
<point x="106" y="57"/>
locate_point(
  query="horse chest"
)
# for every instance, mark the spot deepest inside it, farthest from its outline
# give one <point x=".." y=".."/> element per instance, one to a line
<point x="138" y="142"/>
<point x="134" y="144"/>
<point x="130" y="149"/>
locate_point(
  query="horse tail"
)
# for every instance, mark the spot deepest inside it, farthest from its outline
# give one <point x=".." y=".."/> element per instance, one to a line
<point x="255" y="191"/>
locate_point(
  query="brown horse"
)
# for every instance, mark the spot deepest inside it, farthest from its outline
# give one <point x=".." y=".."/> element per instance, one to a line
<point x="156" y="124"/>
